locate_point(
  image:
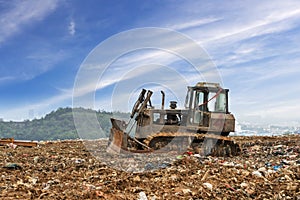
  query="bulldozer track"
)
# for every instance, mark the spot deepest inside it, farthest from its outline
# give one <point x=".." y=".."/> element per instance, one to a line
<point x="185" y="134"/>
<point x="222" y="146"/>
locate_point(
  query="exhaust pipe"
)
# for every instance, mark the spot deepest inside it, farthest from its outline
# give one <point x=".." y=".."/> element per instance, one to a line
<point x="162" y="100"/>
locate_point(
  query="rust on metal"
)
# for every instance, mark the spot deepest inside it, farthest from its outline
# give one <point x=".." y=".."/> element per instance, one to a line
<point x="115" y="144"/>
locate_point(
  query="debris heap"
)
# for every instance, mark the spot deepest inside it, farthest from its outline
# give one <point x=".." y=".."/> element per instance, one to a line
<point x="268" y="168"/>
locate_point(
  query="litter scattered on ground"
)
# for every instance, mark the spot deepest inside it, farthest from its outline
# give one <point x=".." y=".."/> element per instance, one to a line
<point x="268" y="168"/>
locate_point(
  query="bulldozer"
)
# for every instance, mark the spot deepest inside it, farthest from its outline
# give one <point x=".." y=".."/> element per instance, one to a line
<point x="203" y="125"/>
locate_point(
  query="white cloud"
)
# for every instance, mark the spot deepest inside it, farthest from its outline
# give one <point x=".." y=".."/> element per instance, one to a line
<point x="193" y="24"/>
<point x="235" y="21"/>
<point x="6" y="78"/>
<point x="277" y="112"/>
<point x="231" y="32"/>
<point x="44" y="60"/>
<point x="258" y="53"/>
<point x="236" y="34"/>
<point x="23" y="13"/>
<point x="71" y="27"/>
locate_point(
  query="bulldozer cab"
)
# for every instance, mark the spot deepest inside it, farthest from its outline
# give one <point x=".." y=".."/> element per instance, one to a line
<point x="204" y="99"/>
<point x="205" y="110"/>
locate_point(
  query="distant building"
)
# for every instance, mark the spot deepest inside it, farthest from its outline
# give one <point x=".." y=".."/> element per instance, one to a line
<point x="1" y="119"/>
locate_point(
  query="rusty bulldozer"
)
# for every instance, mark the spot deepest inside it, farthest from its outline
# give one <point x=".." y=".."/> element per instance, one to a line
<point x="203" y="125"/>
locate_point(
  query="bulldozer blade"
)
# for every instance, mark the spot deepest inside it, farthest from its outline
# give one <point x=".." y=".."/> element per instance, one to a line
<point x="118" y="124"/>
<point x="116" y="140"/>
<point x="118" y="143"/>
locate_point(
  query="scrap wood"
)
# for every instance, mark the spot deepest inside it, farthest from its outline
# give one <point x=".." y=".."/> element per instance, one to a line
<point x="7" y="141"/>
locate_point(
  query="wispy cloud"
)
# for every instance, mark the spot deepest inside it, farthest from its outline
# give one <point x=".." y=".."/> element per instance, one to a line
<point x="278" y="112"/>
<point x="71" y="27"/>
<point x="23" y="13"/>
<point x="193" y="24"/>
<point x="247" y="40"/>
<point x="42" y="61"/>
<point x="270" y="24"/>
<point x="157" y="65"/>
<point x="256" y="47"/>
<point x="6" y="79"/>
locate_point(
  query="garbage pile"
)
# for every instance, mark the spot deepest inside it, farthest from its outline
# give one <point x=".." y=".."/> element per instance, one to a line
<point x="268" y="168"/>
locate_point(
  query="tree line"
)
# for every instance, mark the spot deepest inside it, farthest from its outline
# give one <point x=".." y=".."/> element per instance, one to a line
<point x="59" y="124"/>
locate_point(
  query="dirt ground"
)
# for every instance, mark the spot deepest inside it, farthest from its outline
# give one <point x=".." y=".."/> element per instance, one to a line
<point x="268" y="168"/>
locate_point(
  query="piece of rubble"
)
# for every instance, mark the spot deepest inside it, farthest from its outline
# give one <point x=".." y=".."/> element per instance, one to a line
<point x="142" y="196"/>
<point x="12" y="166"/>
<point x="208" y="186"/>
<point x="257" y="174"/>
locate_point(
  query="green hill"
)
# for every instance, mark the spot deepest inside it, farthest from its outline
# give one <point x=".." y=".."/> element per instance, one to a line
<point x="58" y="124"/>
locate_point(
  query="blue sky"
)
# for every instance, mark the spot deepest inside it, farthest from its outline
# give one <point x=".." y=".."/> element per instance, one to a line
<point x="254" y="44"/>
